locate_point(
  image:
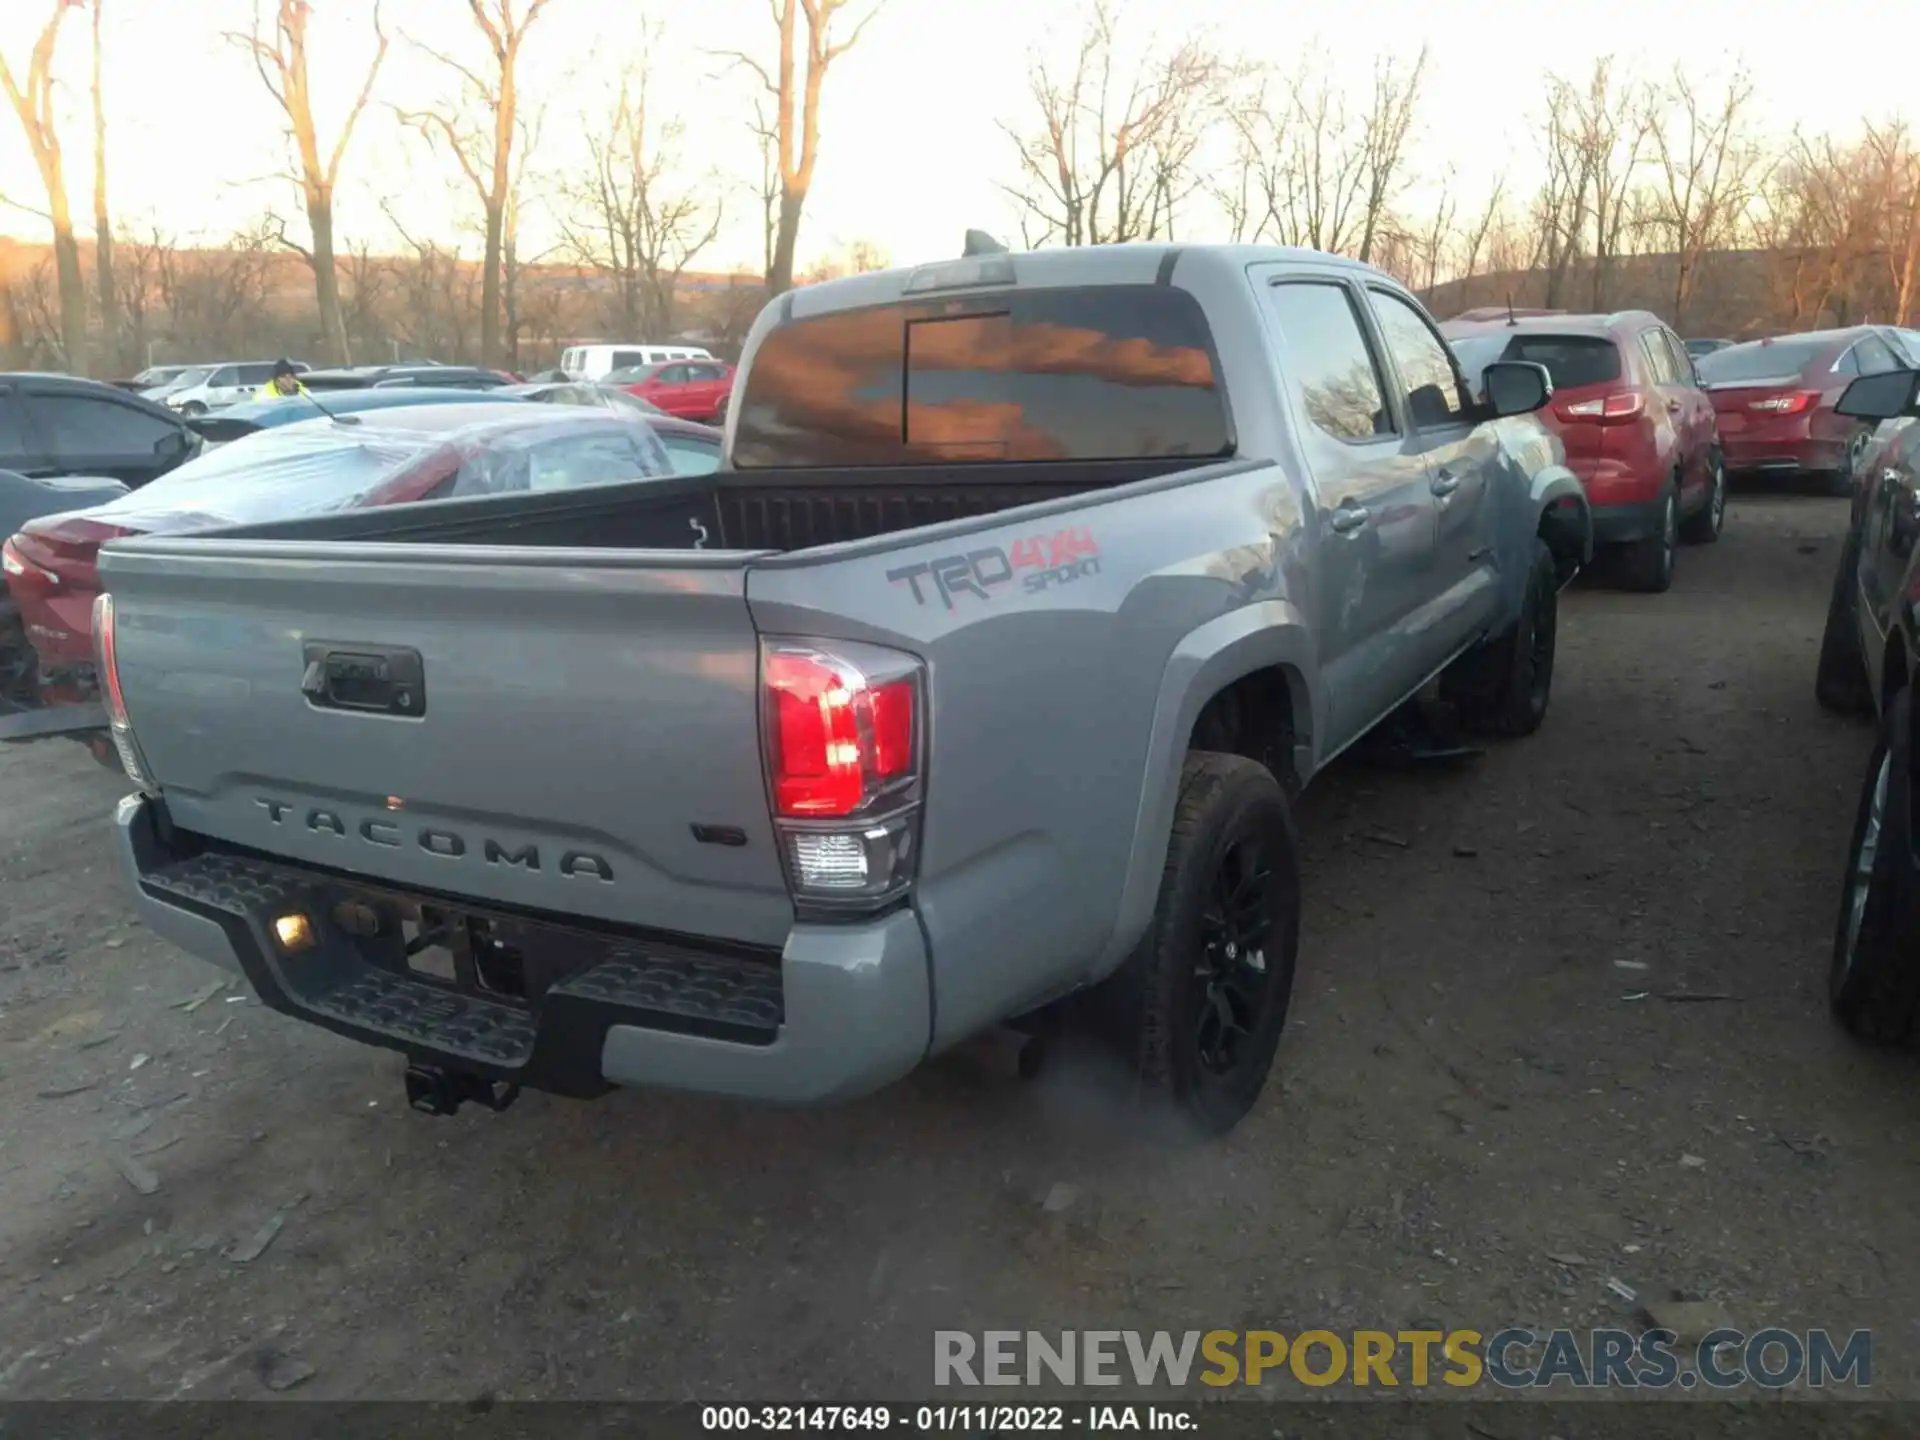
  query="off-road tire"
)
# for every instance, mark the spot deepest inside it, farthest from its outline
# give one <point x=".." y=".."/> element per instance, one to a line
<point x="1840" y="681"/>
<point x="1873" y="982"/>
<point x="1703" y="526"/>
<point x="1503" y="686"/>
<point x="1153" y="1003"/>
<point x="1647" y="565"/>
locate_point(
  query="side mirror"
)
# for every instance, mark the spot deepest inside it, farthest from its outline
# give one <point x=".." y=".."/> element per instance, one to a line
<point x="175" y="443"/>
<point x="1885" y="396"/>
<point x="1516" y="387"/>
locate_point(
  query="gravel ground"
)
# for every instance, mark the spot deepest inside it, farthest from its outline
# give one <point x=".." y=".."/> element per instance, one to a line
<point x="1487" y="1068"/>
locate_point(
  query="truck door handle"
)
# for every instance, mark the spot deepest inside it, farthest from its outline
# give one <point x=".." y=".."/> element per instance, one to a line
<point x="1350" y="517"/>
<point x="1445" y="483"/>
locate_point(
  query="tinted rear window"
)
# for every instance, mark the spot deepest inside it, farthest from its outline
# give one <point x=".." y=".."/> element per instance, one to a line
<point x="1572" y="360"/>
<point x="1117" y="372"/>
<point x="1759" y="362"/>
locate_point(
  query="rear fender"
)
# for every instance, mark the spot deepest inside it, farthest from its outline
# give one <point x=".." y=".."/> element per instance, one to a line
<point x="1255" y="637"/>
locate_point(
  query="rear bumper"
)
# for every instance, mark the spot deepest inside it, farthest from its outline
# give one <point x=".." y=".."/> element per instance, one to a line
<point x="843" y="1010"/>
<point x="1789" y="455"/>
<point x="1619" y="487"/>
<point x="1624" y="524"/>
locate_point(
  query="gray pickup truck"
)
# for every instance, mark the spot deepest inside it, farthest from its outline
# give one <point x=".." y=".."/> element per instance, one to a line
<point x="979" y="683"/>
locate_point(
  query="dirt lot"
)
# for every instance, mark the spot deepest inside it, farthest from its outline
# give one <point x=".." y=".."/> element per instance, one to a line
<point x="1486" y="1068"/>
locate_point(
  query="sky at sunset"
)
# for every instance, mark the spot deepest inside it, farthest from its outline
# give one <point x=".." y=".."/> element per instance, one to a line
<point x="911" y="150"/>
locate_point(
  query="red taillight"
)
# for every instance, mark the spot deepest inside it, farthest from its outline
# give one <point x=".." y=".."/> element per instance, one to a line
<point x="1791" y="403"/>
<point x="1621" y="405"/>
<point x="834" y="737"/>
<point x="844" y="747"/>
<point x="68" y="546"/>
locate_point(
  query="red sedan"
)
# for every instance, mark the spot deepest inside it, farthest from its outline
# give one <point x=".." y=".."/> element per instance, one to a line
<point x="691" y="389"/>
<point x="1774" y="401"/>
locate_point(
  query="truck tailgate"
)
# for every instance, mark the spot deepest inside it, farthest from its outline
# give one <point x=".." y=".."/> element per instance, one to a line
<point x="586" y="739"/>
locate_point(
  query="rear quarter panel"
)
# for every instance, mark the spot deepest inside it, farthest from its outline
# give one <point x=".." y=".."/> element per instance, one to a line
<point x="1060" y="701"/>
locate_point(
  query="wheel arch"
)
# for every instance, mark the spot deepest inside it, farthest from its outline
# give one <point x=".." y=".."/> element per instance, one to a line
<point x="1563" y="517"/>
<point x="1221" y="684"/>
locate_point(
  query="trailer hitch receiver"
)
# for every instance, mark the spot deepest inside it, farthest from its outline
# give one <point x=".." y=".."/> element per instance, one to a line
<point x="433" y="1090"/>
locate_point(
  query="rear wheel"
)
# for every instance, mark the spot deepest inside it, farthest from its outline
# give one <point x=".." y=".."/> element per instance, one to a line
<point x="1874" y="980"/>
<point x="1648" y="564"/>
<point x="193" y="407"/>
<point x="1703" y="526"/>
<point x="1200" y="1005"/>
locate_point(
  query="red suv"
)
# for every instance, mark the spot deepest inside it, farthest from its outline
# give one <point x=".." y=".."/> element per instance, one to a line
<point x="1638" y="429"/>
<point x="1776" y="399"/>
<point x="691" y="389"/>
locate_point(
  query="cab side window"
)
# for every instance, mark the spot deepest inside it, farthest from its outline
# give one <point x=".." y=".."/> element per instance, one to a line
<point x="1332" y="367"/>
<point x="1435" y="396"/>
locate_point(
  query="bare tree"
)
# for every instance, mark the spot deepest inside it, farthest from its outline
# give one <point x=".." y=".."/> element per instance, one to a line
<point x="139" y="253"/>
<point x="363" y="291"/>
<point x="434" y="287"/>
<point x="1564" y="201"/>
<point x="1610" y="128"/>
<point x="33" y="103"/>
<point x="1434" y="238"/>
<point x="483" y="144"/>
<point x="105" y="287"/>
<point x="1707" y="173"/>
<point x="766" y="134"/>
<point x="215" y="297"/>
<point x="512" y="264"/>
<point x="1475" y="240"/>
<point x="1311" y="171"/>
<point x="796" y="110"/>
<point x="1383" y="142"/>
<point x="1896" y="176"/>
<point x="281" y="60"/>
<point x="1108" y="157"/>
<point x="630" y="216"/>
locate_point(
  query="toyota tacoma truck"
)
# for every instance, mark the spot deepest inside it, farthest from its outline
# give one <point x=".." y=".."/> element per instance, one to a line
<point x="978" y="682"/>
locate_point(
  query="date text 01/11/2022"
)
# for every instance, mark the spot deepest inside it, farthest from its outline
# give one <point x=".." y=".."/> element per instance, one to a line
<point x="1042" y="561"/>
<point x="950" y="1419"/>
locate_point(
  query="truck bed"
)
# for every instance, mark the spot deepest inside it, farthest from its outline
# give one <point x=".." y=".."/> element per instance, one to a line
<point x="760" y="511"/>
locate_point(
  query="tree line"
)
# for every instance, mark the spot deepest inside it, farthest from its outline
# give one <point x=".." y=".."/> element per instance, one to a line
<point x="632" y="222"/>
<point x="1649" y="190"/>
<point x="1643" y="190"/>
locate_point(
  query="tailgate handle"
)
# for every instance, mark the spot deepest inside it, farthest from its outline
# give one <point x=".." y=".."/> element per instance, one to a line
<point x="370" y="679"/>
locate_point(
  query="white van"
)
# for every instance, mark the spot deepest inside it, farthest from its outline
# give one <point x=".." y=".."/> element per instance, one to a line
<point x="595" y="362"/>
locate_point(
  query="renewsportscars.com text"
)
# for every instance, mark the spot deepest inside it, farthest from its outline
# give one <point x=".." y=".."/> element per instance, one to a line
<point x="1514" y="1358"/>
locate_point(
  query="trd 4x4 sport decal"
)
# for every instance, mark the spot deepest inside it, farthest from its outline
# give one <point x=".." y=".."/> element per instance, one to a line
<point x="1039" y="561"/>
